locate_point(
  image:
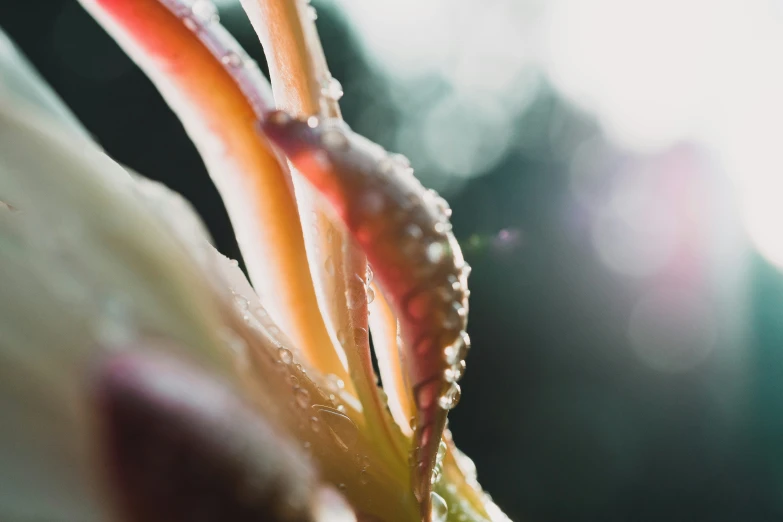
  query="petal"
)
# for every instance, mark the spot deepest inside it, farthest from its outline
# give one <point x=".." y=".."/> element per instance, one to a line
<point x="181" y="446"/>
<point x="85" y="268"/>
<point x="81" y="265"/>
<point x="314" y="409"/>
<point x="226" y="274"/>
<point x="74" y="199"/>
<point x="218" y="94"/>
<point x="178" y="214"/>
<point x="294" y="67"/>
<point x="460" y="489"/>
<point x="405" y="233"/>
<point x="386" y="343"/>
<point x="339" y="269"/>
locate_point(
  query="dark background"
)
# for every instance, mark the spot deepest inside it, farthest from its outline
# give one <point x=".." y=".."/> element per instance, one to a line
<point x="562" y="419"/>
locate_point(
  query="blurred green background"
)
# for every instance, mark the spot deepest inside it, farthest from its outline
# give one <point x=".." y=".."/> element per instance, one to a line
<point x="616" y="181"/>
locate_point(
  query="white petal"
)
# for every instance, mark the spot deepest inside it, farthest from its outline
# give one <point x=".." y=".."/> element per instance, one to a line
<point x="179" y="215"/>
<point x="83" y="266"/>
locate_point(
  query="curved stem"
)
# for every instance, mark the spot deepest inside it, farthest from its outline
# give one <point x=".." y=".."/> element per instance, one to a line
<point x="299" y="73"/>
<point x="219" y="94"/>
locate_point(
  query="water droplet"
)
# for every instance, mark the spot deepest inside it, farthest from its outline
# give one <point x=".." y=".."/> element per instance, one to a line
<point x="436" y="475"/>
<point x="294" y="381"/>
<point x="446" y="293"/>
<point x="334" y="382"/>
<point x="360" y="336"/>
<point x="458" y="349"/>
<point x="285" y="355"/>
<point x="302" y="397"/>
<point x="241" y="302"/>
<point x="341" y="408"/>
<point x="342" y="428"/>
<point x="204" y="12"/>
<point x="331" y="88"/>
<point x="312" y="122"/>
<point x="450" y="397"/>
<point x="454" y="372"/>
<point x="400" y="160"/>
<point x="312" y="13"/>
<point x="386" y="166"/>
<point x="321" y="158"/>
<point x="233" y="262"/>
<point x="413" y="231"/>
<point x="279" y="118"/>
<point x="364" y="477"/>
<point x="424" y="345"/>
<point x="370" y="295"/>
<point x="372" y="202"/>
<point x="441" y="452"/>
<point x="190" y="23"/>
<point x="342" y="337"/>
<point x="441" y="227"/>
<point x="419" y="305"/>
<point x="466" y="465"/>
<point x="355" y="298"/>
<point x="334" y="139"/>
<point x="315" y="424"/>
<point x="341" y="487"/>
<point x="453" y="316"/>
<point x="439" y="510"/>
<point x="370" y="274"/>
<point x="329" y="266"/>
<point x="443" y="206"/>
<point x="435" y="252"/>
<point x="232" y="59"/>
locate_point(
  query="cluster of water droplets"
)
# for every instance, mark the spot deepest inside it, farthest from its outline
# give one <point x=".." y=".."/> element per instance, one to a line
<point x="257" y="318"/>
<point x="321" y="408"/>
<point x="309" y="11"/>
<point x="364" y="463"/>
<point x="437" y="471"/>
<point x="388" y="207"/>
<point x="322" y="411"/>
<point x="439" y="510"/>
<point x="368" y="285"/>
<point x="427" y="241"/>
<point x="233" y="59"/>
<point x="356" y="292"/>
<point x="331" y="88"/>
<point x="202" y="17"/>
<point x="195" y="14"/>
